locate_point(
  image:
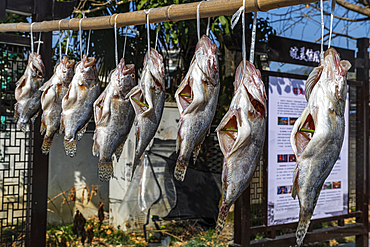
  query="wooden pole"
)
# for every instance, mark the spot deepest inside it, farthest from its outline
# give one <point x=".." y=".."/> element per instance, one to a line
<point x="174" y="12"/>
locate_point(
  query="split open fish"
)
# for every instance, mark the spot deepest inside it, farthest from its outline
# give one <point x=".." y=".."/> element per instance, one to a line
<point x="148" y="98"/>
<point x="51" y="100"/>
<point x="77" y="104"/>
<point x="27" y="92"/>
<point x="114" y="116"/>
<point x="196" y="99"/>
<point x="317" y="135"/>
<point x="241" y="134"/>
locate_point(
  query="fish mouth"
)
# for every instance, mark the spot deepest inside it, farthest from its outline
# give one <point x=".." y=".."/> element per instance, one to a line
<point x="124" y="69"/>
<point x="341" y="66"/>
<point x="251" y="79"/>
<point x="156" y="68"/>
<point x="88" y="61"/>
<point x="68" y="63"/>
<point x="37" y="64"/>
<point x="206" y="43"/>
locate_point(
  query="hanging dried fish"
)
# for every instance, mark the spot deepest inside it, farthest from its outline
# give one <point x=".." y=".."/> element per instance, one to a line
<point x="317" y="135"/>
<point x="241" y="134"/>
<point x="147" y="99"/>
<point x="77" y="104"/>
<point x="114" y="116"/>
<point x="196" y="99"/>
<point x="51" y="100"/>
<point x="27" y="92"/>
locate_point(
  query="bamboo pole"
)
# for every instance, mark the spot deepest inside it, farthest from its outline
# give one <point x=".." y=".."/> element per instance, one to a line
<point x="175" y="12"/>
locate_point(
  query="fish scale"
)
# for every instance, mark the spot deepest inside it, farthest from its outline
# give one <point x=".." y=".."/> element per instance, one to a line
<point x="148" y="99"/>
<point x="196" y="99"/>
<point x="323" y="118"/>
<point x="51" y="100"/>
<point x="241" y="134"/>
<point x="114" y="116"/>
<point x="27" y="92"/>
<point x="77" y="104"/>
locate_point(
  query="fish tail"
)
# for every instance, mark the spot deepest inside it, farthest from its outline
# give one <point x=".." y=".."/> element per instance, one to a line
<point x="180" y="169"/>
<point x="70" y="147"/>
<point x="46" y="144"/>
<point x="303" y="224"/>
<point x="224" y="211"/>
<point x="105" y="169"/>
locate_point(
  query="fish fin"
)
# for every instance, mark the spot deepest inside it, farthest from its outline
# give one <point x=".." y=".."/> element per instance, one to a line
<point x="119" y="150"/>
<point x="48" y="96"/>
<point x="43" y="126"/>
<point x="295" y="182"/>
<point x="196" y="151"/>
<point x="138" y="102"/>
<point x="105" y="169"/>
<point x="302" y="229"/>
<point x="222" y="215"/>
<point x="184" y="94"/>
<point x="82" y="131"/>
<point x="311" y="81"/>
<point x="46" y="85"/>
<point x="98" y="106"/>
<point x="61" y="128"/>
<point x="227" y="131"/>
<point x="70" y="147"/>
<point x="180" y="169"/>
<point x="95" y="148"/>
<point x="46" y="144"/>
<point x="33" y="118"/>
<point x="19" y="85"/>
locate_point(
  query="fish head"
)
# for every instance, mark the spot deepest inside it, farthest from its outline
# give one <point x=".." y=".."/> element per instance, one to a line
<point x="65" y="70"/>
<point x="335" y="72"/>
<point x="207" y="60"/>
<point x="37" y="68"/>
<point x="250" y="78"/>
<point x="154" y="61"/>
<point x="87" y="68"/>
<point x="125" y="77"/>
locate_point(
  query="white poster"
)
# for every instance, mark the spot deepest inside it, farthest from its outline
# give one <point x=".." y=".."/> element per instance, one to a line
<point x="286" y="102"/>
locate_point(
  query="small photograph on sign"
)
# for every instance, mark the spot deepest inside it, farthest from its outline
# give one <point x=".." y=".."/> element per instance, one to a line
<point x="292" y="120"/>
<point x="283" y="120"/>
<point x="336" y="185"/>
<point x="284" y="189"/>
<point x="327" y="186"/>
<point x="282" y="158"/>
<point x="292" y="158"/>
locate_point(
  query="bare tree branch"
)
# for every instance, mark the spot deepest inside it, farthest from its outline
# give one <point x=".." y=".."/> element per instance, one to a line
<point x="354" y="7"/>
<point x="341" y="17"/>
<point x="103" y="6"/>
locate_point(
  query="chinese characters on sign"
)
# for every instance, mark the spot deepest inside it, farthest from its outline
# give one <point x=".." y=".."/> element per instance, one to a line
<point x="304" y="54"/>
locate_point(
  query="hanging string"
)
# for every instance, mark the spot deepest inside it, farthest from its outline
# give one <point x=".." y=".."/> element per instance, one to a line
<point x="198" y="20"/>
<point x="331" y="20"/>
<point x="322" y="34"/>
<point x="156" y="39"/>
<point x="115" y="40"/>
<point x="60" y="43"/>
<point x="39" y="43"/>
<point x="79" y="25"/>
<point x="69" y="36"/>
<point x="209" y="20"/>
<point x="148" y="27"/>
<point x="124" y="45"/>
<point x="88" y="43"/>
<point x="234" y="21"/>
<point x="32" y="38"/>
<point x="253" y="42"/>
